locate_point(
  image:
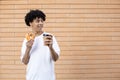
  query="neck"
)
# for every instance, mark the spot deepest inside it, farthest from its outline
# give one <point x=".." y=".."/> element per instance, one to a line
<point x="38" y="33"/>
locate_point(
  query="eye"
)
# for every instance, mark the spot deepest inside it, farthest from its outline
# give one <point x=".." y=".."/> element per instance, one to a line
<point x="37" y="21"/>
<point x="41" y="20"/>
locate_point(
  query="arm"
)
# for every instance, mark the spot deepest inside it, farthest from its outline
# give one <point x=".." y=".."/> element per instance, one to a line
<point x="53" y="53"/>
<point x="49" y="42"/>
<point x="26" y="57"/>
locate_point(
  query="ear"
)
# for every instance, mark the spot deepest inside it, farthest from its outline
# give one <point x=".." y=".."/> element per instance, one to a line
<point x="30" y="24"/>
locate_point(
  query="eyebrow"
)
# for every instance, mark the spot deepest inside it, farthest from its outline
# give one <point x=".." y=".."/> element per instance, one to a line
<point x="39" y="19"/>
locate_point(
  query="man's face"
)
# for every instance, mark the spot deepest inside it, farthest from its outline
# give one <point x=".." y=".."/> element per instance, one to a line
<point x="37" y="25"/>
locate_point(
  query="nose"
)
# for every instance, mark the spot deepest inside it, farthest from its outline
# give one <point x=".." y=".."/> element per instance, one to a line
<point x="40" y="22"/>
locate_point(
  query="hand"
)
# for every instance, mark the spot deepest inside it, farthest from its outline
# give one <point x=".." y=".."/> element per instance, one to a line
<point x="29" y="43"/>
<point x="49" y="41"/>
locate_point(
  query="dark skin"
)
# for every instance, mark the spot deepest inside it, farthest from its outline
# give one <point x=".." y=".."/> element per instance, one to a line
<point x="37" y="26"/>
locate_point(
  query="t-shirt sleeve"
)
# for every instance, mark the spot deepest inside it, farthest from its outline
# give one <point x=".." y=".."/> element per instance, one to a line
<point x="23" y="49"/>
<point x="56" y="46"/>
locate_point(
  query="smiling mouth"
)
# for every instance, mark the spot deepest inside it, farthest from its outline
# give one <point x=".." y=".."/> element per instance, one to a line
<point x="39" y="26"/>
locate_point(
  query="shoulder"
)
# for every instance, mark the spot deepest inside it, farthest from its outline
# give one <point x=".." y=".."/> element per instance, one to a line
<point x="24" y="40"/>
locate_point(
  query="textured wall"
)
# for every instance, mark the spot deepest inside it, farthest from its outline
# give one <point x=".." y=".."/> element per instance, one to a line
<point x="88" y="32"/>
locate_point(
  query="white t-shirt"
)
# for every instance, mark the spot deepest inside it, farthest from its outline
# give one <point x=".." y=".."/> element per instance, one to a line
<point x="41" y="64"/>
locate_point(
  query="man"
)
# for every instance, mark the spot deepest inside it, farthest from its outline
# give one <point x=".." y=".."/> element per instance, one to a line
<point x="39" y="54"/>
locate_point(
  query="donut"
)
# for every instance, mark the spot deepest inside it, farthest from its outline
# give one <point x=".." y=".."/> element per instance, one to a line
<point x="30" y="36"/>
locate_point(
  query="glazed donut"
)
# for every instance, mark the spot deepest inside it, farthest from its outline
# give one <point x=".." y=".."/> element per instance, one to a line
<point x="30" y="36"/>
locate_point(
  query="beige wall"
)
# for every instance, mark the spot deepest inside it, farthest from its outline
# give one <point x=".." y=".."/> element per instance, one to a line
<point x="88" y="32"/>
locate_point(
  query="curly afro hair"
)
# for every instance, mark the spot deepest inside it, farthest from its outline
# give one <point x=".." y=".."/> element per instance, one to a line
<point x="33" y="14"/>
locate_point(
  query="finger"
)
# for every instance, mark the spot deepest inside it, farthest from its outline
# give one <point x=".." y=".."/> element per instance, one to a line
<point x="49" y="42"/>
<point x="30" y="42"/>
<point x="49" y="36"/>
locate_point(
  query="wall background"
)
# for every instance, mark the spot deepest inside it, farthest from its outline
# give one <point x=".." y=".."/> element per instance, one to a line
<point x="88" y="32"/>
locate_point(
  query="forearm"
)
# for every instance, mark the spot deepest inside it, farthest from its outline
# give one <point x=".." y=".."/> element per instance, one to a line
<point x="26" y="57"/>
<point x="53" y="54"/>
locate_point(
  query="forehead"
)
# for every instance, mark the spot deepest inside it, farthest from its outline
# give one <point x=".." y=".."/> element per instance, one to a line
<point x="38" y="19"/>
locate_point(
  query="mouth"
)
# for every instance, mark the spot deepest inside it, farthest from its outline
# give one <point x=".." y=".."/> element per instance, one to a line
<point x="40" y="26"/>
